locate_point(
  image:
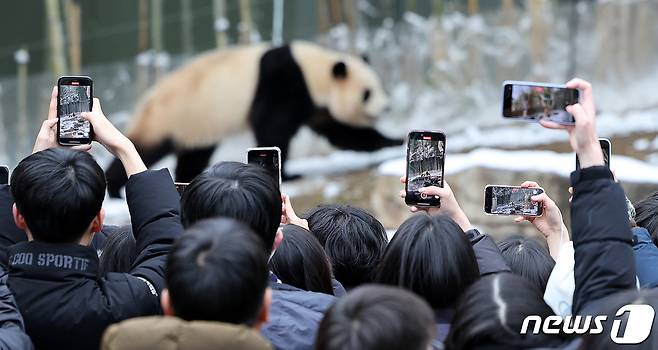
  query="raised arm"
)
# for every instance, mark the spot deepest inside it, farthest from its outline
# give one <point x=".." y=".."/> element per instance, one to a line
<point x="600" y="228"/>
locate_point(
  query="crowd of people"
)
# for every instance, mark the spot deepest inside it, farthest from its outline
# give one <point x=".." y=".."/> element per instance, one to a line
<point x="230" y="265"/>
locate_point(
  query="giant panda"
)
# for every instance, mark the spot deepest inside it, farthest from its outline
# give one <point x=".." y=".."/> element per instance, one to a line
<point x="271" y="90"/>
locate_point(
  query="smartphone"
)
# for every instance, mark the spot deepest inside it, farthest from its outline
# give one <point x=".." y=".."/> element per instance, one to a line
<point x="181" y="187"/>
<point x="4" y="175"/>
<point x="75" y="95"/>
<point x="511" y="200"/>
<point x="606" y="147"/>
<point x="267" y="157"/>
<point x="425" y="159"/>
<point x="530" y="101"/>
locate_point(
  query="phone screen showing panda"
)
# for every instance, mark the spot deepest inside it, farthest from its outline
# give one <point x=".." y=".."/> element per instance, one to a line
<point x="425" y="158"/>
<point x="268" y="158"/>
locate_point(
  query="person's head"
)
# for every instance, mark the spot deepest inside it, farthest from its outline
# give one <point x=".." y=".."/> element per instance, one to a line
<point x="374" y="317"/>
<point x="245" y="192"/>
<point x="491" y="313"/>
<point x="646" y="215"/>
<point x="618" y="309"/>
<point x="301" y="262"/>
<point x="352" y="238"/>
<point x="430" y="256"/>
<point x="528" y="258"/>
<point x="58" y="196"/>
<point x="217" y="271"/>
<point x="119" y="251"/>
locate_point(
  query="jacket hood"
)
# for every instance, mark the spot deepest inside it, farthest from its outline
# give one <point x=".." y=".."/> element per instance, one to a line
<point x="171" y="333"/>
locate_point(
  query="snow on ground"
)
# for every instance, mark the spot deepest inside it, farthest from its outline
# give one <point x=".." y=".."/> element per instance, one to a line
<point x="627" y="169"/>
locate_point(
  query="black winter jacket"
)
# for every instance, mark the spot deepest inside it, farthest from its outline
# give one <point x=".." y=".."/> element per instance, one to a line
<point x="65" y="303"/>
<point x="602" y="239"/>
<point x="12" y="330"/>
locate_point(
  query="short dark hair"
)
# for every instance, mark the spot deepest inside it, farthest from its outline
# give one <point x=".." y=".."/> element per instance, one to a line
<point x="646" y="215"/>
<point x="431" y="256"/>
<point x="353" y="239"/>
<point x="528" y="258"/>
<point x="245" y="192"/>
<point x="58" y="192"/>
<point x="119" y="251"/>
<point x="375" y="317"/>
<point x="217" y="271"/>
<point x="491" y="312"/>
<point x="301" y="262"/>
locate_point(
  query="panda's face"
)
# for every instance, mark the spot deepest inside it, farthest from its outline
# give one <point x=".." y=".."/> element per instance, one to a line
<point x="356" y="96"/>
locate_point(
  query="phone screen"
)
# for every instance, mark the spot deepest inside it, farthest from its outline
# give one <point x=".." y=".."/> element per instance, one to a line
<point x="74" y="97"/>
<point x="268" y="158"/>
<point x="4" y="175"/>
<point x="425" y="158"/>
<point x="510" y="200"/>
<point x="535" y="102"/>
<point x="606" y="148"/>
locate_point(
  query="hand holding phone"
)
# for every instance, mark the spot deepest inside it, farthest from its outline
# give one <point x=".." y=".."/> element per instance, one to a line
<point x="425" y="160"/>
<point x="74" y="97"/>
<point x="532" y="101"/>
<point x="512" y="200"/>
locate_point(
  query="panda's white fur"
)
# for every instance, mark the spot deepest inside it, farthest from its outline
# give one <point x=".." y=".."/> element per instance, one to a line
<point x="210" y="97"/>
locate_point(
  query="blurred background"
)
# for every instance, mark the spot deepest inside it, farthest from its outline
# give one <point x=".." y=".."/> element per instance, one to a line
<point x="442" y="62"/>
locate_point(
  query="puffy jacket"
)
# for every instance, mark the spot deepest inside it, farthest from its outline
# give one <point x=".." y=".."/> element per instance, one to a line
<point x="65" y="303"/>
<point x="171" y="333"/>
<point x="295" y="315"/>
<point x="12" y="331"/>
<point x="646" y="258"/>
<point x="602" y="240"/>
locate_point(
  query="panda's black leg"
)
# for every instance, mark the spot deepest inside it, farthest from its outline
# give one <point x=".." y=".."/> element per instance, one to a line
<point x="192" y="162"/>
<point x="352" y="137"/>
<point x="116" y="174"/>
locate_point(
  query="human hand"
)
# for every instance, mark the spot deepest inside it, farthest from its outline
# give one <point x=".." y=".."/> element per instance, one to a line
<point x="550" y="224"/>
<point x="449" y="205"/>
<point x="582" y="136"/>
<point x="288" y="215"/>
<point x="47" y="137"/>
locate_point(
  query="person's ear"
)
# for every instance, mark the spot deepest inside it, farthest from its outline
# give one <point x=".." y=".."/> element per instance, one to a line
<point x="264" y="313"/>
<point x="18" y="218"/>
<point x="165" y="301"/>
<point x="277" y="239"/>
<point x="339" y="70"/>
<point x="97" y="223"/>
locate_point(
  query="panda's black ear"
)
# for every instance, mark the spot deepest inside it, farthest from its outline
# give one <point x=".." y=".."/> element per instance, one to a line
<point x="339" y="70"/>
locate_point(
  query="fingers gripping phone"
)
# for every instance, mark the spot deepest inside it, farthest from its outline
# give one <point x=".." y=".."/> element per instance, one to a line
<point x="74" y="96"/>
<point x="606" y="148"/>
<point x="425" y="159"/>
<point x="531" y="101"/>
<point x="512" y="200"/>
<point x="267" y="157"/>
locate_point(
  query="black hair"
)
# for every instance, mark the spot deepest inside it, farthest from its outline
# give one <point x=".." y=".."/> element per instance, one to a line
<point x="352" y="238"/>
<point x="301" y="262"/>
<point x="217" y="271"/>
<point x="646" y="215"/>
<point x="610" y="308"/>
<point x="375" y="317"/>
<point x="119" y="251"/>
<point x="245" y="192"/>
<point x="431" y="256"/>
<point x="58" y="192"/>
<point x="491" y="312"/>
<point x="528" y="258"/>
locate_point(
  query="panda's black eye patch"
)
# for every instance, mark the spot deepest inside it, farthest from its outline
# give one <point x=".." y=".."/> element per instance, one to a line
<point x="366" y="95"/>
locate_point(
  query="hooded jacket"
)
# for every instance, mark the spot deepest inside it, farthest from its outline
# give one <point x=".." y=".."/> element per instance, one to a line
<point x="65" y="303"/>
<point x="172" y="333"/>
